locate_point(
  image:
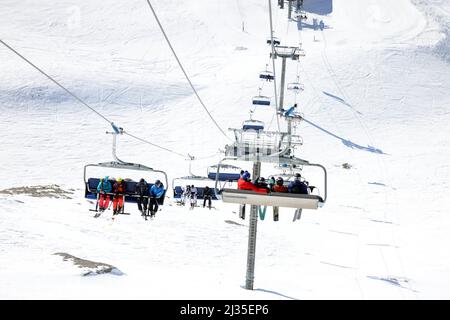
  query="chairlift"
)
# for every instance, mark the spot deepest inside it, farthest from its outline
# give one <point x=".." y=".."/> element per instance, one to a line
<point x="266" y="75"/>
<point x="296" y="86"/>
<point x="302" y="15"/>
<point x="200" y="182"/>
<point x="260" y="100"/>
<point x="276" y="199"/>
<point x="230" y="173"/>
<point x="251" y="124"/>
<point x="148" y="173"/>
<point x="276" y="41"/>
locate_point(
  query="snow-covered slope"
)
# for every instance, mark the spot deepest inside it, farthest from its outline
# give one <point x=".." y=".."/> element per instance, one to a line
<point x="376" y="96"/>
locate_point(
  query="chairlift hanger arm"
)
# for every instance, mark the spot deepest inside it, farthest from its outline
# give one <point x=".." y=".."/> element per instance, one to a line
<point x="126" y="166"/>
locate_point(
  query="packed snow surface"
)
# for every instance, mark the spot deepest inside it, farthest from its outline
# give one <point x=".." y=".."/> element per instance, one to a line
<point x="377" y="83"/>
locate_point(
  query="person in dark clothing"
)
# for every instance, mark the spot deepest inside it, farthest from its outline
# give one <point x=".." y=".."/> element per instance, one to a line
<point x="143" y="193"/>
<point x="262" y="184"/>
<point x="297" y="186"/>
<point x="207" y="195"/>
<point x="279" y="186"/>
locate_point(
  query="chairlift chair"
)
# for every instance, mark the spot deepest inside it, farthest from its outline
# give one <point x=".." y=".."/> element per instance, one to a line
<point x="199" y="182"/>
<point x="251" y="124"/>
<point x="91" y="183"/>
<point x="302" y="15"/>
<point x="230" y="173"/>
<point x="266" y="75"/>
<point x="276" y="41"/>
<point x="260" y="100"/>
<point x="275" y="199"/>
<point x="296" y="86"/>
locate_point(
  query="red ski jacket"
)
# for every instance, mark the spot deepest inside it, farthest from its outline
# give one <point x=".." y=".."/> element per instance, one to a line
<point x="247" y="185"/>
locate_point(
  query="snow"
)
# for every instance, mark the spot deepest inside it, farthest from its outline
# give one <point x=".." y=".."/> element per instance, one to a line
<point x="376" y="96"/>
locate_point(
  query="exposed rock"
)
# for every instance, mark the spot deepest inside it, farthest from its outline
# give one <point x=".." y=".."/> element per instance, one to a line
<point x="90" y="267"/>
<point x="49" y="191"/>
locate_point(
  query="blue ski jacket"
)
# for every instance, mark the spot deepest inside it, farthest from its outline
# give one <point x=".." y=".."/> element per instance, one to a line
<point x="156" y="192"/>
<point x="104" y="185"/>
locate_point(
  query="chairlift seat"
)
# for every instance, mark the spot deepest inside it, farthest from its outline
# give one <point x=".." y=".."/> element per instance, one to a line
<point x="178" y="192"/>
<point x="224" y="176"/>
<point x="130" y="187"/>
<point x="266" y="76"/>
<point x="273" y="199"/>
<point x="296" y="87"/>
<point x="253" y="125"/>
<point x="276" y="42"/>
<point x="261" y="101"/>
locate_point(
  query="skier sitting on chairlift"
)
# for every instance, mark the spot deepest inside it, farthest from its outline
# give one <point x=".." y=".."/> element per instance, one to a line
<point x="104" y="187"/>
<point x="279" y="186"/>
<point x="119" y="195"/>
<point x="156" y="192"/>
<point x="207" y="195"/>
<point x="186" y="194"/>
<point x="261" y="183"/>
<point x="142" y="192"/>
<point x="193" y="197"/>
<point x="244" y="183"/>
<point x="297" y="186"/>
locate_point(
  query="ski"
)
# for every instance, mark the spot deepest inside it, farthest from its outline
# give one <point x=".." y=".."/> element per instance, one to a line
<point x="297" y="214"/>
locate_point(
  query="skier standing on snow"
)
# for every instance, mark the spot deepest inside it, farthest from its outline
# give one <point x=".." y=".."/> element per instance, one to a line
<point x="103" y="188"/>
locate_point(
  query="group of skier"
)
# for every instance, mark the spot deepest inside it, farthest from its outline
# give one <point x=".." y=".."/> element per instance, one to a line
<point x="146" y="196"/>
<point x="190" y="194"/>
<point x="262" y="185"/>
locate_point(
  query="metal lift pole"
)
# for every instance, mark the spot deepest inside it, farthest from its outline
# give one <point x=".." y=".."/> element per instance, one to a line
<point x="283" y="77"/>
<point x="290" y="10"/>
<point x="252" y="235"/>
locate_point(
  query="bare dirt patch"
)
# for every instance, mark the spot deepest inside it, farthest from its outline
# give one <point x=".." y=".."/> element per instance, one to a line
<point x="47" y="191"/>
